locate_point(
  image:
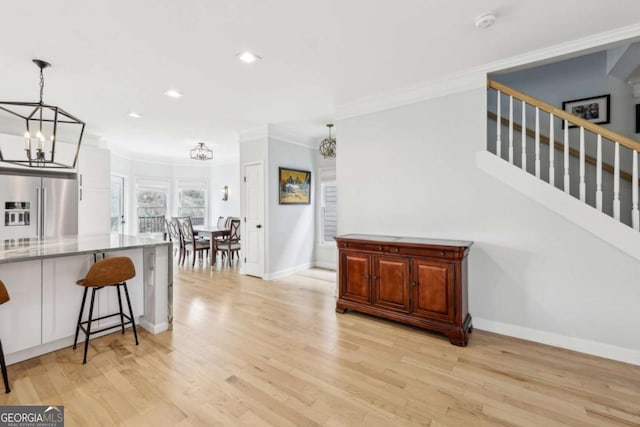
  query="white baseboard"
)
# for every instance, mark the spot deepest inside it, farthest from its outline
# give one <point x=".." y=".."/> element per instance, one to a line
<point x="288" y="271"/>
<point x="327" y="265"/>
<point x="594" y="348"/>
<point x="154" y="329"/>
<point x="48" y="347"/>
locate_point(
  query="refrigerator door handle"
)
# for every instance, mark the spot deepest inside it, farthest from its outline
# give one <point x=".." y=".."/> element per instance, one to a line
<point x="38" y="215"/>
<point x="43" y="210"/>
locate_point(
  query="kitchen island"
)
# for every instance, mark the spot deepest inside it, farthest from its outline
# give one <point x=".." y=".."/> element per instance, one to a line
<point x="41" y="276"/>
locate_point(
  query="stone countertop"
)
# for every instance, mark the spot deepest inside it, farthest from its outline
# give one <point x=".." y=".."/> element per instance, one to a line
<point x="14" y="250"/>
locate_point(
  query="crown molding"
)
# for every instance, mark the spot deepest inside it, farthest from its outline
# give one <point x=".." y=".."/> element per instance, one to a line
<point x="475" y="78"/>
<point x="290" y="137"/>
<point x="251" y="134"/>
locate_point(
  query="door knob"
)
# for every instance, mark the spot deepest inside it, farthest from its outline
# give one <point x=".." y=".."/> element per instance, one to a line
<point x="258" y="226"/>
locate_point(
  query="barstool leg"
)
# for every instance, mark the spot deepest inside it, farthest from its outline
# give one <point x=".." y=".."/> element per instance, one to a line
<point x="133" y="322"/>
<point x="84" y="299"/>
<point x="86" y="341"/>
<point x="120" y="305"/>
<point x="3" y="365"/>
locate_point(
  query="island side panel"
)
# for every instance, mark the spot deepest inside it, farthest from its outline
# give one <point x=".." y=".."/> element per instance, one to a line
<point x="158" y="288"/>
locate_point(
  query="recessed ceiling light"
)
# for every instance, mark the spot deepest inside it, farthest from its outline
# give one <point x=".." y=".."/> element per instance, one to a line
<point x="485" y="20"/>
<point x="171" y="93"/>
<point x="248" y="57"/>
<point x="134" y="115"/>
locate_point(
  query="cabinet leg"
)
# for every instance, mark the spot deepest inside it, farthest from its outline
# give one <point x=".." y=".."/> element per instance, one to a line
<point x="340" y="309"/>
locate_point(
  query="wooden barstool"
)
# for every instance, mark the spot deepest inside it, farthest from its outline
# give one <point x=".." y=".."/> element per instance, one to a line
<point x="106" y="272"/>
<point x="4" y="297"/>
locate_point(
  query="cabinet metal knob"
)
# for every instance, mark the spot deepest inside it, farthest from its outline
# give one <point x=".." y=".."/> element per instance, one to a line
<point x="413" y="283"/>
<point x="442" y="253"/>
<point x="381" y="248"/>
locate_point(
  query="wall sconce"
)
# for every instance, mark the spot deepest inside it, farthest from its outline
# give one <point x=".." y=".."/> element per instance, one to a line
<point x="225" y="193"/>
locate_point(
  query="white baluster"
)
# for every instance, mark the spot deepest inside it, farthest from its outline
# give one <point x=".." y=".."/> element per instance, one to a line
<point x="511" y="128"/>
<point x="566" y="157"/>
<point x="499" y="127"/>
<point x="616" y="183"/>
<point x="524" y="136"/>
<point x="583" y="185"/>
<point x="635" y="215"/>
<point x="599" y="174"/>
<point x="552" y="149"/>
<point x="537" y="143"/>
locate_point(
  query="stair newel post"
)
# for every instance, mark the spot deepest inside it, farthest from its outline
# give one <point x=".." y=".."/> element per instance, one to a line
<point x="566" y="157"/>
<point x="499" y="125"/>
<point x="510" y="127"/>
<point x="552" y="149"/>
<point x="616" y="183"/>
<point x="635" y="215"/>
<point x="537" y="164"/>
<point x="599" y="174"/>
<point x="583" y="185"/>
<point x="524" y="136"/>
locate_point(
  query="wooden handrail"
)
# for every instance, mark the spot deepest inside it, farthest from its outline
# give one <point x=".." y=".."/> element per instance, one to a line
<point x="560" y="147"/>
<point x="558" y="112"/>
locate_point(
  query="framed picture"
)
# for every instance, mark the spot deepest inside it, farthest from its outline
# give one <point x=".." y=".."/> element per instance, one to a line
<point x="595" y="109"/>
<point x="295" y="186"/>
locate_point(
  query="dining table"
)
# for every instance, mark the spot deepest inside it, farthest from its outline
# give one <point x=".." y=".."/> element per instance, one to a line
<point x="214" y="232"/>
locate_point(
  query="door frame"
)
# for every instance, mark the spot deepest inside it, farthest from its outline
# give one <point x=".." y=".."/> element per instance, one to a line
<point x="125" y="199"/>
<point x="265" y="215"/>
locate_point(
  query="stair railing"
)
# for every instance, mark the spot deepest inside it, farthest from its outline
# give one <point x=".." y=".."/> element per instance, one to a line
<point x="567" y="119"/>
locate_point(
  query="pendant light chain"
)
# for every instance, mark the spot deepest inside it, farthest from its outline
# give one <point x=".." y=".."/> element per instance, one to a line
<point x="41" y="83"/>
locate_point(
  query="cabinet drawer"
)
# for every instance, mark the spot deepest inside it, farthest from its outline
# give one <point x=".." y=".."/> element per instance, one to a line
<point x="423" y="252"/>
<point x="370" y="247"/>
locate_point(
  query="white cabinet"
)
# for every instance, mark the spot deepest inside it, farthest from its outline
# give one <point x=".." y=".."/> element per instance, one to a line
<point x="20" y="318"/>
<point x="61" y="296"/>
<point x="94" y="182"/>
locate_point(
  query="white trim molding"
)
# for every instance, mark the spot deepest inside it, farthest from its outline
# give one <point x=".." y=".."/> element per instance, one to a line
<point x="288" y="271"/>
<point x="476" y="77"/>
<point x="608" y="351"/>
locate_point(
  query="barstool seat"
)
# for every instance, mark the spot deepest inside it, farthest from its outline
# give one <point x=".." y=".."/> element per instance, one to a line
<point x="106" y="272"/>
<point x="4" y="297"/>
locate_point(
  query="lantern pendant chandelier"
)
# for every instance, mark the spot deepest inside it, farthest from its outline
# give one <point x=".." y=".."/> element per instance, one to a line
<point x="201" y="152"/>
<point x="43" y="124"/>
<point x="328" y="145"/>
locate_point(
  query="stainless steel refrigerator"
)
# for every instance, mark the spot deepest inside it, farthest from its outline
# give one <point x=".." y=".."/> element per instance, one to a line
<point x="38" y="205"/>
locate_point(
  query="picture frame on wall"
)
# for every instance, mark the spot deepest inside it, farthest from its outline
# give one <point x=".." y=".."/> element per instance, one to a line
<point x="595" y="109"/>
<point x="295" y="186"/>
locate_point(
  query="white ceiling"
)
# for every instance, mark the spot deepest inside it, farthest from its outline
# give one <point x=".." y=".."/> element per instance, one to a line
<point x="113" y="57"/>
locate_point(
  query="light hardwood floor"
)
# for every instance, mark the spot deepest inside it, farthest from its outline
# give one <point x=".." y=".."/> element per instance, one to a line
<point x="249" y="352"/>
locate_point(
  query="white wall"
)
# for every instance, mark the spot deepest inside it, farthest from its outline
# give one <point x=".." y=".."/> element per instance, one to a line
<point x="411" y="171"/>
<point x="291" y="227"/>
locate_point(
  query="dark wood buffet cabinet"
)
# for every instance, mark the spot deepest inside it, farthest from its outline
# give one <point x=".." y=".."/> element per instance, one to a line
<point x="420" y="282"/>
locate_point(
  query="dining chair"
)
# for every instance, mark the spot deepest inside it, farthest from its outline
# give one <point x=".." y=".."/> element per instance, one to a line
<point x="173" y="226"/>
<point x="221" y="222"/>
<point x="191" y="243"/>
<point x="231" y="245"/>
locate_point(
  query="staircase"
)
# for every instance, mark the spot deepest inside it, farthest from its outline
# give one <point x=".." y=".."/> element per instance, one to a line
<point x="588" y="174"/>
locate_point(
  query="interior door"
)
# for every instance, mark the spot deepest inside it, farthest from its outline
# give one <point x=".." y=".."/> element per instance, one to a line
<point x="253" y="234"/>
<point x="117" y="204"/>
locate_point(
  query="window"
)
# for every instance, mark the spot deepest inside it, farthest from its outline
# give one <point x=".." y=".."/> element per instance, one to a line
<point x="151" y="205"/>
<point x="328" y="203"/>
<point x="192" y="200"/>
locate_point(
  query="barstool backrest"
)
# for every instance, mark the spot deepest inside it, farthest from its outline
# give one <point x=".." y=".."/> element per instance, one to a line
<point x="109" y="271"/>
<point x="4" y="294"/>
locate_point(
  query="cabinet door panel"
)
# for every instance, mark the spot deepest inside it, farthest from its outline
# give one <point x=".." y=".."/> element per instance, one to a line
<point x="433" y="292"/>
<point x="391" y="279"/>
<point x="355" y="270"/>
<point x="61" y="296"/>
<point x="20" y="317"/>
